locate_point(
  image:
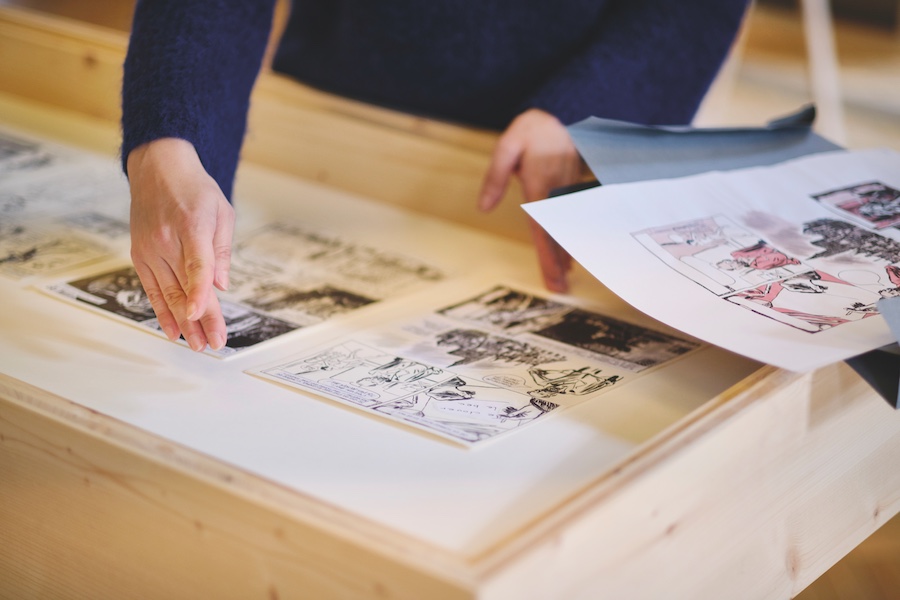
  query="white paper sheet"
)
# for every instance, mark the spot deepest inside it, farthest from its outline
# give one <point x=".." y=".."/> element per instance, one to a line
<point x="283" y="278"/>
<point x="783" y="264"/>
<point x="327" y="452"/>
<point x="60" y="209"/>
<point x="482" y="367"/>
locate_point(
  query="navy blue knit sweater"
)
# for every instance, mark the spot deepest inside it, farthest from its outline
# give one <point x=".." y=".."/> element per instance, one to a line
<point x="191" y="63"/>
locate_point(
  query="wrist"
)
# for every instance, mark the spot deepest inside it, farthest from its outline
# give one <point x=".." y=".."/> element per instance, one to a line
<point x="162" y="152"/>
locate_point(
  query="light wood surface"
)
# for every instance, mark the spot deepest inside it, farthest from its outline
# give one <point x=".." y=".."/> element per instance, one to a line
<point x="93" y="508"/>
<point x="751" y="493"/>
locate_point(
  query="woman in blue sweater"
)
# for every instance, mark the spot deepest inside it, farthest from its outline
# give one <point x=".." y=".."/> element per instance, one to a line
<point x="523" y="68"/>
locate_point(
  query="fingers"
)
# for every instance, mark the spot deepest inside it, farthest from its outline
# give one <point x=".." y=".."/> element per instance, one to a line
<point x="164" y="316"/>
<point x="206" y="242"/>
<point x="181" y="231"/>
<point x="222" y="248"/>
<point x="536" y="148"/>
<point x="169" y="303"/>
<point x="553" y="260"/>
<point x="504" y="161"/>
<point x="212" y="325"/>
<point x="205" y="263"/>
<point x="196" y="272"/>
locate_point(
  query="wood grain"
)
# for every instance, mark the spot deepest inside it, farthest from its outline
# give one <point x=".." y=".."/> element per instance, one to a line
<point x="753" y="496"/>
<point x="91" y="507"/>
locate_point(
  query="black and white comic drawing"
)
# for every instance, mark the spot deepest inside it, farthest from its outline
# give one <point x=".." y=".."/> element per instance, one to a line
<point x="514" y="312"/>
<point x="77" y="186"/>
<point x="508" y="310"/>
<point x="49" y="222"/>
<point x="303" y="306"/>
<point x="19" y="155"/>
<point x="578" y="382"/>
<point x="627" y="345"/>
<point x="872" y="203"/>
<point x="279" y="280"/>
<point x="278" y="247"/>
<point x="425" y="396"/>
<point x="283" y="249"/>
<point x="473" y="346"/>
<point x="98" y="224"/>
<point x="307" y="277"/>
<point x="28" y="250"/>
<point x="52" y="201"/>
<point x="245" y="327"/>
<point x="119" y="292"/>
<point x="481" y="367"/>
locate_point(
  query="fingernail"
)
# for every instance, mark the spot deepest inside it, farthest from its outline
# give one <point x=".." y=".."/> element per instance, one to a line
<point x="215" y="341"/>
<point x="171" y="333"/>
<point x="191" y="311"/>
<point x="196" y="343"/>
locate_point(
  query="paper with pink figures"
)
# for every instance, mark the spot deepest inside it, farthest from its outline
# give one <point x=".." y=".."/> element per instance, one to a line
<point x="784" y="264"/>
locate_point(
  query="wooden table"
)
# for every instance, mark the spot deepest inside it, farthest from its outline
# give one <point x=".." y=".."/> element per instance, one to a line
<point x="132" y="468"/>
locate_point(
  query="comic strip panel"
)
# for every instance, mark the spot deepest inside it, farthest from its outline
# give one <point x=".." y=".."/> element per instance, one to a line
<point x="483" y="366"/>
<point x="280" y="249"/>
<point x="508" y="310"/>
<point x="457" y="407"/>
<point x="19" y="155"/>
<point x="812" y="302"/>
<point x="485" y="350"/>
<point x="515" y="313"/>
<point x="303" y="306"/>
<point x="98" y="224"/>
<point x="120" y="293"/>
<point x="855" y="255"/>
<point x="528" y="364"/>
<point x="467" y="410"/>
<point x="624" y="344"/>
<point x="849" y="241"/>
<point x="873" y="203"/>
<point x="65" y="189"/>
<point x="27" y="250"/>
<point x="718" y="254"/>
<point x="359" y="373"/>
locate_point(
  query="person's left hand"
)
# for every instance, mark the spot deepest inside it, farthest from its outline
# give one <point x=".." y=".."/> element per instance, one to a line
<point x="537" y="149"/>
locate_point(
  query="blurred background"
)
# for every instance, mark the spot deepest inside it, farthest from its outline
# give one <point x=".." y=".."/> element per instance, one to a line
<point x="844" y="55"/>
<point x="773" y="70"/>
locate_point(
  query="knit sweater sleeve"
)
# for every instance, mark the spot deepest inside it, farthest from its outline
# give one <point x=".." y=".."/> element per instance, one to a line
<point x="648" y="61"/>
<point x="188" y="73"/>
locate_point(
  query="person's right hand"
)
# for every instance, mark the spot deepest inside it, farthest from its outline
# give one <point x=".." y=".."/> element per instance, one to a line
<point x="537" y="148"/>
<point x="181" y="230"/>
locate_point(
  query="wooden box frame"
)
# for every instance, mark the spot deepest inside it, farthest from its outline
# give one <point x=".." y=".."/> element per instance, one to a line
<point x="754" y="495"/>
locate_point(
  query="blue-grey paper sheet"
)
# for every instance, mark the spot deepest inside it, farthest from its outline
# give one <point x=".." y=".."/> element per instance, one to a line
<point x="621" y="152"/>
